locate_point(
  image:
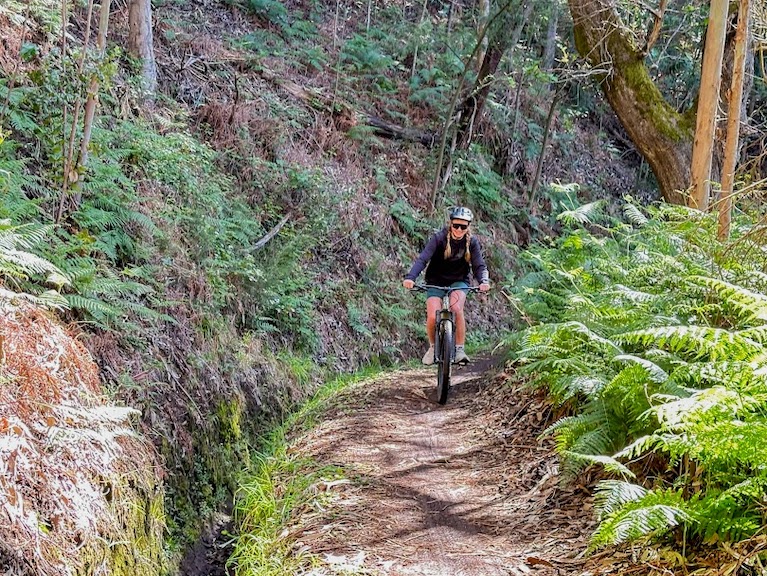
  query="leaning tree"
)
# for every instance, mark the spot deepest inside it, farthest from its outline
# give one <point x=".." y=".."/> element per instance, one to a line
<point x="662" y="133"/>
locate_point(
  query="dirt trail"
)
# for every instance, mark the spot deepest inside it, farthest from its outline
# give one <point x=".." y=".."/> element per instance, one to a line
<point x="460" y="489"/>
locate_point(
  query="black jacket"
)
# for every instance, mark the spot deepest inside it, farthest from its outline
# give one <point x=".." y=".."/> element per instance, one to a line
<point x="441" y="272"/>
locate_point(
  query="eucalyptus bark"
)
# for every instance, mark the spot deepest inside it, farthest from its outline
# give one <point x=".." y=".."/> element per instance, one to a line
<point x="141" y="44"/>
<point x="662" y="135"/>
<point x="708" y="105"/>
<point x="733" y="120"/>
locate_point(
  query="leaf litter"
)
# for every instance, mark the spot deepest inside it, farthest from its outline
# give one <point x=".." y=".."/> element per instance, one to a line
<point x="462" y="489"/>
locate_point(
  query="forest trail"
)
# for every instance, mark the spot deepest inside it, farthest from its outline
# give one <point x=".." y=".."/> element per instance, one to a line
<point x="461" y="489"/>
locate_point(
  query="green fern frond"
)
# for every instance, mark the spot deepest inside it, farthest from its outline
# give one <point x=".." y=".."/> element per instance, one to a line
<point x="642" y="445"/>
<point x="734" y="513"/>
<point x="114" y="287"/>
<point x="22" y="122"/>
<point x="651" y="515"/>
<point x="695" y="342"/>
<point x="655" y="372"/>
<point x="684" y="410"/>
<point x="589" y="385"/>
<point x="568" y="365"/>
<point x="633" y="295"/>
<point x="586" y="214"/>
<point x="147" y="313"/>
<point x="585" y="433"/>
<point x="98" y="309"/>
<point x="744" y="376"/>
<point x="16" y="262"/>
<point x="573" y="329"/>
<point x="757" y="334"/>
<point x="634" y="215"/>
<point x="53" y="300"/>
<point x="608" y="462"/>
<point x="23" y="236"/>
<point x="612" y="495"/>
<point x="93" y="218"/>
<point x="26" y="262"/>
<point x="49" y="299"/>
<point x="749" y="305"/>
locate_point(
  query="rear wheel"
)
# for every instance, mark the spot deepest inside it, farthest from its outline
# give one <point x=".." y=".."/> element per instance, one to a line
<point x="445" y="360"/>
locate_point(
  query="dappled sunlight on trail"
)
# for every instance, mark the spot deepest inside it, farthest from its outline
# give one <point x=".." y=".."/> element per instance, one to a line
<point x="440" y="490"/>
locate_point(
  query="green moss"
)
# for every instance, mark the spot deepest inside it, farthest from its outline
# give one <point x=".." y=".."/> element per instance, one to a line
<point x="203" y="480"/>
<point x="667" y="120"/>
<point x="135" y="546"/>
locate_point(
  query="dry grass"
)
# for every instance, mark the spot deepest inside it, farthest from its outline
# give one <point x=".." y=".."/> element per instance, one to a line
<point x="71" y="470"/>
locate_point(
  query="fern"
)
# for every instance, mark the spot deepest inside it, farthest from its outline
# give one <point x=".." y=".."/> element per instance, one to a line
<point x="748" y="305"/>
<point x="634" y="215"/>
<point x="585" y="214"/>
<point x="628" y="512"/>
<point x="610" y="464"/>
<point x="19" y="264"/>
<point x="695" y="342"/>
<point x="654" y="372"/>
<point x="656" y="355"/>
<point x="98" y="309"/>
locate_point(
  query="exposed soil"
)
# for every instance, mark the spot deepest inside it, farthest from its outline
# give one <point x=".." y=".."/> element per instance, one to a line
<point x="461" y="489"/>
<point x="209" y="554"/>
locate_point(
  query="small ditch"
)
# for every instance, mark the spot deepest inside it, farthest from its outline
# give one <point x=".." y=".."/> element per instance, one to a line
<point x="210" y="553"/>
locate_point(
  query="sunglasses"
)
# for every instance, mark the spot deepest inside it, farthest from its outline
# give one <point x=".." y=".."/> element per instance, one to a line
<point x="460" y="226"/>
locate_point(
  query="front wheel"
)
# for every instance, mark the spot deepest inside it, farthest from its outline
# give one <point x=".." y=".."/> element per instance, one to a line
<point x="445" y="360"/>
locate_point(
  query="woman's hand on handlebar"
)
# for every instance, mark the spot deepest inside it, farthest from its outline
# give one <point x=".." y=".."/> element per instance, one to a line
<point x="407" y="283"/>
<point x="484" y="287"/>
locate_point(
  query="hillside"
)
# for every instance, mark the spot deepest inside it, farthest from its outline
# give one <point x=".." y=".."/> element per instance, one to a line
<point x="240" y="237"/>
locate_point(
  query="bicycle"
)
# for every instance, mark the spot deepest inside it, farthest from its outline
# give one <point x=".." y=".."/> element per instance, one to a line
<point x="444" y="338"/>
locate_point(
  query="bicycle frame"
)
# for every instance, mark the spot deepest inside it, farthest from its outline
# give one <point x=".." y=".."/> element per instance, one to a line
<point x="445" y="314"/>
<point x="444" y="338"/>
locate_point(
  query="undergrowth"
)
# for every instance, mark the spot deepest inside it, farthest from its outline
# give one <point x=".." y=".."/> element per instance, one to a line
<point x="650" y="334"/>
<point x="279" y="485"/>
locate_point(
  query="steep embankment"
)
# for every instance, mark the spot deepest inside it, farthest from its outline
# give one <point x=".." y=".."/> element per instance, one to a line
<point x="79" y="492"/>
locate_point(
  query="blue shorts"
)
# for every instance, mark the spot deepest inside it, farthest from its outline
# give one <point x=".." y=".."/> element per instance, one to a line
<point x="436" y="293"/>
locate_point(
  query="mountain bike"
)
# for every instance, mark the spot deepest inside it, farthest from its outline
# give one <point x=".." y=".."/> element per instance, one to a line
<point x="444" y="338"/>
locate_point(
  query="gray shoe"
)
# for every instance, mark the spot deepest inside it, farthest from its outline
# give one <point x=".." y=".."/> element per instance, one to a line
<point x="428" y="358"/>
<point x="460" y="356"/>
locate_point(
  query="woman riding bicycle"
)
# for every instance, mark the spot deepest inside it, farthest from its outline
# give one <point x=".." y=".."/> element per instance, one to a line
<point x="449" y="257"/>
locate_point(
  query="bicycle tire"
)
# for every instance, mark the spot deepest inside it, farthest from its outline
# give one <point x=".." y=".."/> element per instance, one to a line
<point x="445" y="360"/>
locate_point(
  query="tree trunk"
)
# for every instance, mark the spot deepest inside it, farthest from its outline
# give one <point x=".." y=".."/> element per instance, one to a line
<point x="733" y="120"/>
<point x="72" y="175"/>
<point x="549" y="54"/>
<point x="708" y="105"/>
<point x="471" y="107"/>
<point x="484" y="18"/>
<point x="140" y="42"/>
<point x="662" y="135"/>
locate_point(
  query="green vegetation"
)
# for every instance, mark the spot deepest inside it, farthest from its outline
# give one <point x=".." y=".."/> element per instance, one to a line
<point x="652" y="339"/>
<point x="159" y="249"/>
<point x="280" y="485"/>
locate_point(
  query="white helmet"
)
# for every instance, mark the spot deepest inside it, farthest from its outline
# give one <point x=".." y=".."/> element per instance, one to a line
<point x="461" y="213"/>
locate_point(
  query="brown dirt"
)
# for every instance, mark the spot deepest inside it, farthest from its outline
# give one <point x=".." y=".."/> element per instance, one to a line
<point x="461" y="489"/>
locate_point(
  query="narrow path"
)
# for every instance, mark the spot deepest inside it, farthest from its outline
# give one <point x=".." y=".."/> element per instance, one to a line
<point x="460" y="489"/>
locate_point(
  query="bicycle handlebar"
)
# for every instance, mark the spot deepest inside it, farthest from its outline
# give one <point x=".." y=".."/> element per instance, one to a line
<point x="425" y="287"/>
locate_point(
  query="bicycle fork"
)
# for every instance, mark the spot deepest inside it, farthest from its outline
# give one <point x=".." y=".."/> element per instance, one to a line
<point x="444" y="315"/>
